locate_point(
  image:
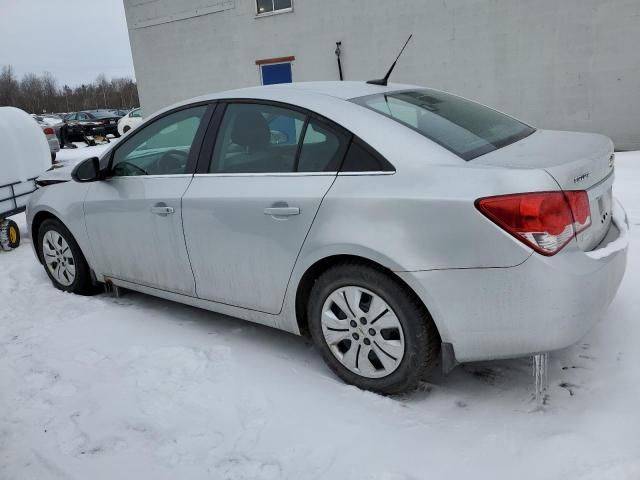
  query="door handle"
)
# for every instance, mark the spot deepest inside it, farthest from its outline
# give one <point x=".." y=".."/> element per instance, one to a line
<point x="282" y="211"/>
<point x="162" y="210"/>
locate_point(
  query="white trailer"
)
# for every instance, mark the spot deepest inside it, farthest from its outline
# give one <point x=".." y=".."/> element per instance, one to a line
<point x="24" y="155"/>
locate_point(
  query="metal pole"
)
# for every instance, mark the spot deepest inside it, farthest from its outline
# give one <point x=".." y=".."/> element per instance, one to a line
<point x="338" y="53"/>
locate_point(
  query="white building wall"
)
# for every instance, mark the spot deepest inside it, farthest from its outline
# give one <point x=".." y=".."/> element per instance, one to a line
<point x="570" y="64"/>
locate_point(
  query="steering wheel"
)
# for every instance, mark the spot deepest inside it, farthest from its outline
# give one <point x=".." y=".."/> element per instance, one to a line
<point x="172" y="162"/>
<point x="124" y="166"/>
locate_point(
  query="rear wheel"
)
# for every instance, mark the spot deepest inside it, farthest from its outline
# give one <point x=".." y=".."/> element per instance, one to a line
<point x="62" y="258"/>
<point x="126" y="129"/>
<point x="9" y="235"/>
<point x="371" y="330"/>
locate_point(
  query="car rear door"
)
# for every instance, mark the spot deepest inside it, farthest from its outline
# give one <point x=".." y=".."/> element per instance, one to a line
<point x="134" y="217"/>
<point x="259" y="185"/>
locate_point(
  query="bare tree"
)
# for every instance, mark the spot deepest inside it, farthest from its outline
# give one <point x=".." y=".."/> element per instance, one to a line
<point x="41" y="93"/>
<point x="9" y="86"/>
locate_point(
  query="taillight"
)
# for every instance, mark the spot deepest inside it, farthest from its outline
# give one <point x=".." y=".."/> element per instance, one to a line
<point x="546" y="221"/>
<point x="49" y="131"/>
<point x="579" y="204"/>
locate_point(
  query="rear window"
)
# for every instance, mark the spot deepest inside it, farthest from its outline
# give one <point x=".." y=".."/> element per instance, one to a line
<point x="466" y="128"/>
<point x="102" y="114"/>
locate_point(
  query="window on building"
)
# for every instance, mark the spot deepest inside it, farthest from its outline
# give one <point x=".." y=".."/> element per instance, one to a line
<point x="268" y="6"/>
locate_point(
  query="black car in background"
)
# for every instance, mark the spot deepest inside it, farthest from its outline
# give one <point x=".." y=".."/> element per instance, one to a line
<point x="119" y="113"/>
<point x="91" y="123"/>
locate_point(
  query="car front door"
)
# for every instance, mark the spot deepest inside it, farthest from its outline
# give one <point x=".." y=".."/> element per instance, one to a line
<point x="248" y="211"/>
<point x="134" y="217"/>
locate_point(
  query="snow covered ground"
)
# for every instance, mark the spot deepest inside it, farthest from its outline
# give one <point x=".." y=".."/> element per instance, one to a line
<point x="140" y="388"/>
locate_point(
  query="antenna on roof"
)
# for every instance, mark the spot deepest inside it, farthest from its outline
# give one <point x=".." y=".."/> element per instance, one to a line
<point x="384" y="81"/>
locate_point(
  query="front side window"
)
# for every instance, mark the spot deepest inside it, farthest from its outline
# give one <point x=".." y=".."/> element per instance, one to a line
<point x="267" y="6"/>
<point x="161" y="148"/>
<point x="256" y="138"/>
<point x="466" y="128"/>
<point x="137" y="113"/>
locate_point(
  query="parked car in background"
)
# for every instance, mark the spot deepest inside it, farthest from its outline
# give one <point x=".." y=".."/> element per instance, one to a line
<point x="54" y="122"/>
<point x="130" y="121"/>
<point x="391" y="223"/>
<point x="52" y="138"/>
<point x="118" y="112"/>
<point x="49" y="118"/>
<point x="91" y="123"/>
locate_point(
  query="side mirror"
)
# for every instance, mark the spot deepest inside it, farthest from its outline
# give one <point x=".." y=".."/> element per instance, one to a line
<point x="87" y="171"/>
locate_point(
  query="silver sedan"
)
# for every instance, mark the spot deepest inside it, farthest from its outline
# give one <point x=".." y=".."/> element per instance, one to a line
<point x="398" y="226"/>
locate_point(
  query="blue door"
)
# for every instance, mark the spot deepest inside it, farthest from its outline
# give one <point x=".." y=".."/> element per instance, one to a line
<point x="276" y="73"/>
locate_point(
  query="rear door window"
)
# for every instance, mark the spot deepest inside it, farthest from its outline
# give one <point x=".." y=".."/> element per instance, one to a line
<point x="362" y="158"/>
<point x="256" y="138"/>
<point x="322" y="150"/>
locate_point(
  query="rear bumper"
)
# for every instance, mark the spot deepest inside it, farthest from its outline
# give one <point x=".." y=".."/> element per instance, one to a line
<point x="543" y="304"/>
<point x="54" y="144"/>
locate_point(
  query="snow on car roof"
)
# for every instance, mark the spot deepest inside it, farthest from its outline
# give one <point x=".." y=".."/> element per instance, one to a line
<point x="300" y="91"/>
<point x="342" y="90"/>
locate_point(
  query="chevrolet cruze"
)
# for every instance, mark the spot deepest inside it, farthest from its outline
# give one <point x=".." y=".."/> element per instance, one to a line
<point x="398" y="226"/>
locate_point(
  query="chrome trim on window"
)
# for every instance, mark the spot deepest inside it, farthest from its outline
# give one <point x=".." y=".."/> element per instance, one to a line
<point x="354" y="174"/>
<point x="270" y="174"/>
<point x="176" y="175"/>
<point x="282" y="174"/>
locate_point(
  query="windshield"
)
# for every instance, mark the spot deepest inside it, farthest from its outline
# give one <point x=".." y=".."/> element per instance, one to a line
<point x="466" y="128"/>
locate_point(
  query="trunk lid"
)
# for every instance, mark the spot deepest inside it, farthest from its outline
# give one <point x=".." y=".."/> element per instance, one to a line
<point x="576" y="161"/>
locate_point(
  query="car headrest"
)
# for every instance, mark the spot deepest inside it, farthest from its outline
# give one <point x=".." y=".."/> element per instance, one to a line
<point x="250" y="130"/>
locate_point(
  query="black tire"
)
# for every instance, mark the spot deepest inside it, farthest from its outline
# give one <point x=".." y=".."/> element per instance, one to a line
<point x="9" y="235"/>
<point x="126" y="129"/>
<point x="422" y="341"/>
<point x="82" y="283"/>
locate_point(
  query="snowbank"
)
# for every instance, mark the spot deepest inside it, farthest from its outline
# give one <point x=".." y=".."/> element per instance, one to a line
<point x="620" y="243"/>
<point x="24" y="151"/>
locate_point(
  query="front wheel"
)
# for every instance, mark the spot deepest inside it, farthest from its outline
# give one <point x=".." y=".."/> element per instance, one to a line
<point x="62" y="258"/>
<point x="371" y="330"/>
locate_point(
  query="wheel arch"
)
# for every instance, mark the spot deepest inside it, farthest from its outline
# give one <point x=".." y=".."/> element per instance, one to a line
<point x="36" y="223"/>
<point x="313" y="272"/>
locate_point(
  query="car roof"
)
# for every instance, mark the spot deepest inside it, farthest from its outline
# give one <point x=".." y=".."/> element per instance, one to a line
<point x="342" y="90"/>
<point x="330" y="99"/>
